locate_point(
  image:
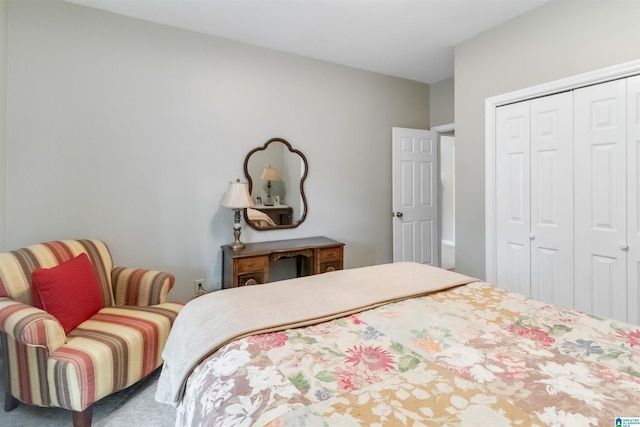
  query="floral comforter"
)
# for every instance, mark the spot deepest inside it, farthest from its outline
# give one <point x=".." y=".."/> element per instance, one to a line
<point x="474" y="355"/>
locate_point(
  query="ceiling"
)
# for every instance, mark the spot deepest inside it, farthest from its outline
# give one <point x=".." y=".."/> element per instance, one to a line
<point x="412" y="39"/>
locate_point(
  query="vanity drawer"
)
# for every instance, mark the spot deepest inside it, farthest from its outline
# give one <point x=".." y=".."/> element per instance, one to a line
<point x="329" y="254"/>
<point x="328" y="259"/>
<point x="245" y="265"/>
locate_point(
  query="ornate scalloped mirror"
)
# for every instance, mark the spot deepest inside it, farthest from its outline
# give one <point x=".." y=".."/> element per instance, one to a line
<point x="276" y="174"/>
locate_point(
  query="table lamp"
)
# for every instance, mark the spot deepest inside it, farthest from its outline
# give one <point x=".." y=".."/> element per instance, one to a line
<point x="269" y="174"/>
<point x="237" y="197"/>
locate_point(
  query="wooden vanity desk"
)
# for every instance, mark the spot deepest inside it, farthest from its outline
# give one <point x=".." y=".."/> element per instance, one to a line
<point x="250" y="265"/>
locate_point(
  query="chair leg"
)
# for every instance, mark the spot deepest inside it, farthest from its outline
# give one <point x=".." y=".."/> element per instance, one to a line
<point x="83" y="419"/>
<point x="10" y="402"/>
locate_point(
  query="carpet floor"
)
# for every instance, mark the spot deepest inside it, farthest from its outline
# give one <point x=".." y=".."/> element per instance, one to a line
<point x="134" y="406"/>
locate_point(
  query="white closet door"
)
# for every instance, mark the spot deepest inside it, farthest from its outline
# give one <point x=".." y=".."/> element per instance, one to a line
<point x="552" y="199"/>
<point x="633" y="198"/>
<point x="600" y="199"/>
<point x="513" y="251"/>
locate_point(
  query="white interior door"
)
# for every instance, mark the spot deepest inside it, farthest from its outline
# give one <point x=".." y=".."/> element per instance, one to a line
<point x="513" y="202"/>
<point x="600" y="199"/>
<point x="552" y="199"/>
<point x="415" y="196"/>
<point x="534" y="187"/>
<point x="633" y="199"/>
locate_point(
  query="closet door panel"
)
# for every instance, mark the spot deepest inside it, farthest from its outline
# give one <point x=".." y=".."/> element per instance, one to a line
<point x="513" y="206"/>
<point x="600" y="199"/>
<point x="552" y="199"/>
<point x="633" y="198"/>
<point x="606" y="286"/>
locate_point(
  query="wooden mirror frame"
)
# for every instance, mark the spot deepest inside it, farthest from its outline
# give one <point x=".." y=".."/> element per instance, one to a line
<point x="302" y="179"/>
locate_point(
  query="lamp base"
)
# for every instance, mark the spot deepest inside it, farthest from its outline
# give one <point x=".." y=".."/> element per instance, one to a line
<point x="237" y="244"/>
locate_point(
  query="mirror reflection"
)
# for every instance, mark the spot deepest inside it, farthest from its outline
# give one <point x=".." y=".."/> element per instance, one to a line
<point x="276" y="174"/>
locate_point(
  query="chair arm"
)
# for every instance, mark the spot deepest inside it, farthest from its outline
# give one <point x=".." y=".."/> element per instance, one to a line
<point x="30" y="325"/>
<point x="135" y="286"/>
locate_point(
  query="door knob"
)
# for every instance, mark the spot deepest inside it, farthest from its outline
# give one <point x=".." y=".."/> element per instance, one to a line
<point x="399" y="214"/>
<point x="624" y="247"/>
<point x="532" y="236"/>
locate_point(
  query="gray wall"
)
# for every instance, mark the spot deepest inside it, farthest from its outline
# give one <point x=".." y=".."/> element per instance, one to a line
<point x="441" y="100"/>
<point x="129" y="131"/>
<point x="3" y="117"/>
<point x="560" y="39"/>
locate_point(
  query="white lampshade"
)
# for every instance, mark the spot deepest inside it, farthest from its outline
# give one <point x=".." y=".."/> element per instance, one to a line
<point x="270" y="174"/>
<point x="237" y="196"/>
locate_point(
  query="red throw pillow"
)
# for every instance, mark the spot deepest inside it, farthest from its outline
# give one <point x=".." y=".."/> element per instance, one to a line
<point x="69" y="291"/>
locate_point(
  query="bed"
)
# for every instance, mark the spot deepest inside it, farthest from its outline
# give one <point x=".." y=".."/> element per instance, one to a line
<point x="396" y="344"/>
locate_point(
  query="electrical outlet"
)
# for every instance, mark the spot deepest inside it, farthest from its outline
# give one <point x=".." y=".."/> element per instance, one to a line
<point x="199" y="286"/>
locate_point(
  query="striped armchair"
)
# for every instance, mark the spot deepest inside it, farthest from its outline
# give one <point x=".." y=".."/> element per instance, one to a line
<point x="116" y="347"/>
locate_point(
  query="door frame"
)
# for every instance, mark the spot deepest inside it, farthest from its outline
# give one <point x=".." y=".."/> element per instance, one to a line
<point x="440" y="130"/>
<point x="626" y="69"/>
